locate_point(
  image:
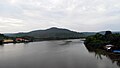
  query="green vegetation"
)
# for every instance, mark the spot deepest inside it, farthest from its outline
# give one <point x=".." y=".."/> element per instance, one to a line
<point x="50" y="34"/>
<point x="41" y="35"/>
<point x="99" y="40"/>
<point x="100" y="54"/>
<point x="96" y="43"/>
<point x="2" y="36"/>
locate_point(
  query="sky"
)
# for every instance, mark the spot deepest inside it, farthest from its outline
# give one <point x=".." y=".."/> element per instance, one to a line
<point x="76" y="15"/>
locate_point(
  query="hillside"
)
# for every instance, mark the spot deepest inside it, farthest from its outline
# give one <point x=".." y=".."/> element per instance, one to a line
<point x="101" y="32"/>
<point x="51" y="33"/>
<point x="100" y="40"/>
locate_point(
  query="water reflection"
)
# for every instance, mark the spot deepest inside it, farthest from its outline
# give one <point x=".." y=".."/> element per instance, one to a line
<point x="52" y="54"/>
<point x="1" y="45"/>
<point x="99" y="54"/>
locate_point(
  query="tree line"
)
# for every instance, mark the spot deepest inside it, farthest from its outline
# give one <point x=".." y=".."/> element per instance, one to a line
<point x="99" y="40"/>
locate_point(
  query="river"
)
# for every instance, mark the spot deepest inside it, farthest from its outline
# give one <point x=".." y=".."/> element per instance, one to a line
<point x="52" y="54"/>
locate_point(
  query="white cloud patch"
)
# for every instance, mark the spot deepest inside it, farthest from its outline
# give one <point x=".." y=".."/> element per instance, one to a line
<point x="79" y="15"/>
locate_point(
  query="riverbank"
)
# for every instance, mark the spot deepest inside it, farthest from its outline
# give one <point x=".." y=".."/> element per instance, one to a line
<point x="109" y="42"/>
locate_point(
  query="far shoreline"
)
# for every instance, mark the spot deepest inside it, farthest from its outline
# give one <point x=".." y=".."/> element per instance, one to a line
<point x="81" y="39"/>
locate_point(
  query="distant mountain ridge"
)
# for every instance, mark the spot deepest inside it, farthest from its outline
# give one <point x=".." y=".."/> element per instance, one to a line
<point x="101" y="32"/>
<point x="51" y="33"/>
<point x="55" y="33"/>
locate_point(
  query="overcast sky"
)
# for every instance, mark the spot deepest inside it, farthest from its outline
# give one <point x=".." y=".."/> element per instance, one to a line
<point x="77" y="15"/>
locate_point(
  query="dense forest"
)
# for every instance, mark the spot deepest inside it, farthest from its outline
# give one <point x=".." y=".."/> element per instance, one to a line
<point x="96" y="43"/>
<point x="50" y="34"/>
<point x="41" y="35"/>
<point x="100" y="40"/>
<point x="2" y="36"/>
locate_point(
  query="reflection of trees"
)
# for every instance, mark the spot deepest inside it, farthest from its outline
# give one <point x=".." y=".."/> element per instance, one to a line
<point x="2" y="45"/>
<point x="115" y="58"/>
<point x="66" y="42"/>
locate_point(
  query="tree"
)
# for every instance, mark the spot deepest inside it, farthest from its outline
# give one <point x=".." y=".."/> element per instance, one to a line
<point x="108" y="33"/>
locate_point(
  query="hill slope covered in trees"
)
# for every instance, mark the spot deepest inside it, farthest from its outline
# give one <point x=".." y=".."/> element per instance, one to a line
<point x="50" y="34"/>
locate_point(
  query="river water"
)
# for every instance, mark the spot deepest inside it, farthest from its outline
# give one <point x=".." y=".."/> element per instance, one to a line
<point x="52" y="54"/>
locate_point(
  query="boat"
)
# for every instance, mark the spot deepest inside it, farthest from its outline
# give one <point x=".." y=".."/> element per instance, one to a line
<point x="108" y="47"/>
<point x="116" y="51"/>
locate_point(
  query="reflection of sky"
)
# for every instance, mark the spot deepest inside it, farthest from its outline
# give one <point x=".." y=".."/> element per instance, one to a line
<point x="106" y="63"/>
<point x="72" y="14"/>
<point x="50" y="54"/>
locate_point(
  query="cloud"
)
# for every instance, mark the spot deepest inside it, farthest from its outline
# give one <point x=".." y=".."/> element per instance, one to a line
<point x="76" y="15"/>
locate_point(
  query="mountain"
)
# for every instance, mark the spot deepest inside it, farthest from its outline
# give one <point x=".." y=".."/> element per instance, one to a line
<point x="49" y="34"/>
<point x="101" y="32"/>
<point x="88" y="33"/>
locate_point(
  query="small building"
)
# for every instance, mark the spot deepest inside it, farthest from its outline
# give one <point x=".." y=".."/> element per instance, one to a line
<point x="108" y="47"/>
<point x="8" y="41"/>
<point x="21" y="40"/>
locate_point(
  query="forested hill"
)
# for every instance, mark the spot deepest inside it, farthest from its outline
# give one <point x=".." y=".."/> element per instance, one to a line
<point x="51" y="33"/>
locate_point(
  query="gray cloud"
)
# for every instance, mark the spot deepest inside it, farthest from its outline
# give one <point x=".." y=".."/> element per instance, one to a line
<point x="78" y="15"/>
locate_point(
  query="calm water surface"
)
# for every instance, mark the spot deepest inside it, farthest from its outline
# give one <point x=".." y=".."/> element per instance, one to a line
<point x="51" y="54"/>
